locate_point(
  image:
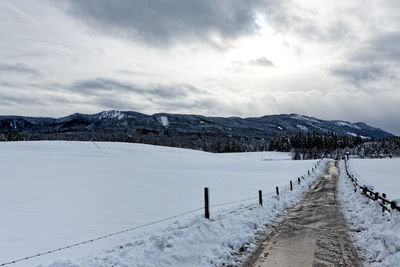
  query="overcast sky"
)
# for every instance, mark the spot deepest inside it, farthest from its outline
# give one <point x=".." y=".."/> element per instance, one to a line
<point x="326" y="59"/>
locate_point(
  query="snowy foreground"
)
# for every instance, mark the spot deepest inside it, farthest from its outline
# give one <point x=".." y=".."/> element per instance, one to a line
<point x="376" y="233"/>
<point x="54" y="194"/>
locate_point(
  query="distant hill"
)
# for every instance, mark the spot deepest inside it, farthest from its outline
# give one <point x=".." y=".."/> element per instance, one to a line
<point x="129" y="121"/>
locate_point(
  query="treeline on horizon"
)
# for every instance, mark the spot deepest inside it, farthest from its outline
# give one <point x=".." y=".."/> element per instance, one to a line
<point x="311" y="145"/>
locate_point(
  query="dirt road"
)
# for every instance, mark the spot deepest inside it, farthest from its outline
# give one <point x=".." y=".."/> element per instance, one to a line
<point x="313" y="233"/>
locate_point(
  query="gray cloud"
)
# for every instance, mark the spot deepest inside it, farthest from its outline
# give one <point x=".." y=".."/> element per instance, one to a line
<point x="376" y="60"/>
<point x="262" y="61"/>
<point x="164" y="22"/>
<point x="372" y="59"/>
<point x="359" y="74"/>
<point x="383" y="47"/>
<point x="107" y="86"/>
<point x="6" y="84"/>
<point x="99" y="85"/>
<point x="19" y="68"/>
<point x="118" y="103"/>
<point x="242" y="66"/>
<point x="131" y="73"/>
<point x="114" y="94"/>
<point x="8" y="99"/>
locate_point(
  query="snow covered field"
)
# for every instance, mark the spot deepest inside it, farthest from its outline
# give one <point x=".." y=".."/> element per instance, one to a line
<point x="54" y="194"/>
<point x="383" y="175"/>
<point x="377" y="234"/>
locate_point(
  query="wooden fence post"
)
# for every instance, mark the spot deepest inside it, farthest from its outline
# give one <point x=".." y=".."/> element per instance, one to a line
<point x="383" y="202"/>
<point x="291" y="185"/>
<point x="206" y="204"/>
<point x="260" y="200"/>
<point x="298" y="180"/>
<point x="277" y="191"/>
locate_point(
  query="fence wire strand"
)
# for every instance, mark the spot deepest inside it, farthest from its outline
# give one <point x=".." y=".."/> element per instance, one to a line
<point x="99" y="238"/>
<point x="232" y="202"/>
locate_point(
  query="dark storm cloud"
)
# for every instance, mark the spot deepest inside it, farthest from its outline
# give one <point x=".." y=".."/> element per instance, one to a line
<point x="164" y="22"/>
<point x="19" y="68"/>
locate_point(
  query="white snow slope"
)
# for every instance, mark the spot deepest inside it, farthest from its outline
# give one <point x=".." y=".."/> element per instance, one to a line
<point x="377" y="234"/>
<point x="54" y="194"/>
<point x="383" y="175"/>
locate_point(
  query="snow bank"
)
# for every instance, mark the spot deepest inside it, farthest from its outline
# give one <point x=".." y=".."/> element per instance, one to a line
<point x="53" y="194"/>
<point x="375" y="233"/>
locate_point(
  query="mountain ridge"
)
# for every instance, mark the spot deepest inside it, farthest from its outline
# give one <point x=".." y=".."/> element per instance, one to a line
<point x="252" y="127"/>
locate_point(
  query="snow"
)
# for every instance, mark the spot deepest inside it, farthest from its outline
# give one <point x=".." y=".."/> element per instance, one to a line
<point x="112" y="114"/>
<point x="352" y="134"/>
<point x="266" y="155"/>
<point x="375" y="233"/>
<point x="164" y="121"/>
<point x="306" y="119"/>
<point x="13" y="124"/>
<point x="343" y="123"/>
<point x="355" y="135"/>
<point x="380" y="174"/>
<point x="53" y="194"/>
<point x="309" y="121"/>
<point x="302" y="127"/>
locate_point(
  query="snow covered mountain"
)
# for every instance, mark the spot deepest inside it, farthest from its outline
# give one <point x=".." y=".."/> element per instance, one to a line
<point x="262" y="127"/>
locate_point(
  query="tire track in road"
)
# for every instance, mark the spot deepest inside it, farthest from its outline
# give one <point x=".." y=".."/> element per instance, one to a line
<point x="313" y="233"/>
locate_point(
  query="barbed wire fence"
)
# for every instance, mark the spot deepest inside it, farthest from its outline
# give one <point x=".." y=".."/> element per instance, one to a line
<point x="100" y="237"/>
<point x="309" y="172"/>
